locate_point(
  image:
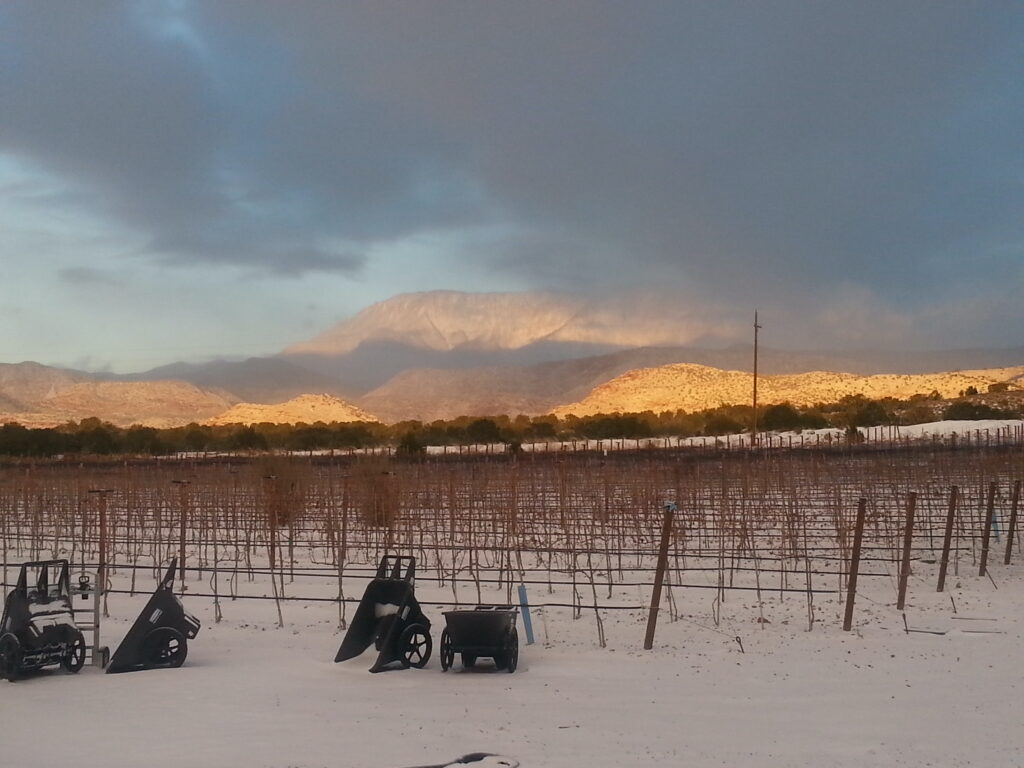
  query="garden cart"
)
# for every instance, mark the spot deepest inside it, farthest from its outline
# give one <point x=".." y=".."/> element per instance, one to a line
<point x="38" y="628"/>
<point x="390" y="617"/>
<point x="159" y="637"/>
<point x="487" y="630"/>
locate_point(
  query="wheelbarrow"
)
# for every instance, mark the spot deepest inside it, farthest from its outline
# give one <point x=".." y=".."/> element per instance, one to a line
<point x="37" y="627"/>
<point x="487" y="630"/>
<point x="390" y="617"/>
<point x="159" y="637"/>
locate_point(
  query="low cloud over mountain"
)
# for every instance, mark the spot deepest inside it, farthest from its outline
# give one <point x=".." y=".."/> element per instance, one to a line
<point x="453" y="320"/>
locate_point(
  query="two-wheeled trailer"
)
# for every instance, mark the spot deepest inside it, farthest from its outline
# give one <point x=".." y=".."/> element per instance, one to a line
<point x="487" y="630"/>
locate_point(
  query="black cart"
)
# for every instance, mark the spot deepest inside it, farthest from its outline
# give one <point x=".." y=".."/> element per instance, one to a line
<point x="390" y="617"/>
<point x="487" y="630"/>
<point x="38" y="628"/>
<point x="159" y="637"/>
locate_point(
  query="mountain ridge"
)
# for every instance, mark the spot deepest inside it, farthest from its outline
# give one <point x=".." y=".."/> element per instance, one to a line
<point x="694" y="387"/>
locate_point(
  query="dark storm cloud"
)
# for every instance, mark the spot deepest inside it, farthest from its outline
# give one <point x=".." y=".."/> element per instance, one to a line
<point x="756" y="148"/>
<point x="208" y="142"/>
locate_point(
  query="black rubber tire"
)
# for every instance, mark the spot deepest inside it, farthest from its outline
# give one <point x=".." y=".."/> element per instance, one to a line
<point x="447" y="653"/>
<point x="10" y="657"/>
<point x="164" y="647"/>
<point x="512" y="651"/>
<point x="415" y="645"/>
<point x="74" y="657"/>
<point x="508" y="657"/>
<point x="469" y="660"/>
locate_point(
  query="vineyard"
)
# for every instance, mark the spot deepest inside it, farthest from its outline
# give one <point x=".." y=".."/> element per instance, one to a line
<point x="580" y="532"/>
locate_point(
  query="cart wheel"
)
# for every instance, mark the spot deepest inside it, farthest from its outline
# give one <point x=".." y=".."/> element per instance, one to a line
<point x="10" y="657"/>
<point x="164" y="647"/>
<point x="447" y="652"/>
<point x="74" y="657"/>
<point x="415" y="646"/>
<point x="512" y="651"/>
<point x="508" y="657"/>
<point x="469" y="660"/>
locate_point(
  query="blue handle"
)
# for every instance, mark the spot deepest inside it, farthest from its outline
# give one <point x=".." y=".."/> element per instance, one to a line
<point x="524" y="610"/>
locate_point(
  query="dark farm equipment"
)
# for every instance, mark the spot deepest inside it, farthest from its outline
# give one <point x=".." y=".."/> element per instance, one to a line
<point x="390" y="617"/>
<point x="38" y="625"/>
<point x="487" y="630"/>
<point x="159" y="637"/>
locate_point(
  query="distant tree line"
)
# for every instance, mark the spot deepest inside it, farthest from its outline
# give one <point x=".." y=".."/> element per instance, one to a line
<point x="95" y="437"/>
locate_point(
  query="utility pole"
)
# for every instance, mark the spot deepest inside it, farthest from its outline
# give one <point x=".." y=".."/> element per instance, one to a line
<point x="753" y="428"/>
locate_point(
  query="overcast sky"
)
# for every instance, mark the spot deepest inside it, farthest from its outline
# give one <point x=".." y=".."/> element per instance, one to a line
<point x="184" y="180"/>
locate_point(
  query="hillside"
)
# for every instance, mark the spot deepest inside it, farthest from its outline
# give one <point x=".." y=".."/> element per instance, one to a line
<point x="153" y="404"/>
<point x="305" y="408"/>
<point x="433" y="393"/>
<point x="429" y="394"/>
<point x="695" y="387"/>
<point x="23" y="384"/>
<point x="256" y="380"/>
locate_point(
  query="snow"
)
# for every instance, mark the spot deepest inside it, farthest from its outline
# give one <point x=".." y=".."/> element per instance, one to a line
<point x="253" y="695"/>
<point x="979" y="430"/>
<point x="739" y="692"/>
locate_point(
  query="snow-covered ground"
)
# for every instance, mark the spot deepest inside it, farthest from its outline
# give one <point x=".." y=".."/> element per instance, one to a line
<point x="253" y="695"/>
<point x="747" y="681"/>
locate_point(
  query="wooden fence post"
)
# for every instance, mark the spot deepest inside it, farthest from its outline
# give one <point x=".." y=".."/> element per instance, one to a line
<point x="986" y="534"/>
<point x="183" y="499"/>
<point x="659" y="575"/>
<point x="101" y="553"/>
<point x="851" y="582"/>
<point x="908" y="538"/>
<point x="947" y="538"/>
<point x="1012" y="530"/>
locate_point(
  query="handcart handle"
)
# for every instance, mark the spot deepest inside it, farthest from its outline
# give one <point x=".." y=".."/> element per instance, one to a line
<point x="395" y="567"/>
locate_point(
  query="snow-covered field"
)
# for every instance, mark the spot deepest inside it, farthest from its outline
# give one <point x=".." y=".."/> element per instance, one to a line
<point x="737" y="678"/>
<point x="253" y="695"/>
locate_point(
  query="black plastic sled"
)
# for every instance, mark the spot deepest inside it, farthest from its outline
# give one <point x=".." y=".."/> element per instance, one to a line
<point x="159" y="637"/>
<point x="38" y="625"/>
<point x="487" y="630"/>
<point x="390" y="617"/>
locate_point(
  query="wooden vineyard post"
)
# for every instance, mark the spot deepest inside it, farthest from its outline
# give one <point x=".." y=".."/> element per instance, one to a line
<point x="659" y="575"/>
<point x="947" y="537"/>
<point x="1012" y="530"/>
<point x="101" y="555"/>
<point x="986" y="534"/>
<point x="908" y="539"/>
<point x="181" y="539"/>
<point x="851" y="582"/>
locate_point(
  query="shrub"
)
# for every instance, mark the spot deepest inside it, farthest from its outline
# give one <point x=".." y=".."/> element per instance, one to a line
<point x="963" y="410"/>
<point x="781" y="417"/>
